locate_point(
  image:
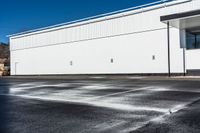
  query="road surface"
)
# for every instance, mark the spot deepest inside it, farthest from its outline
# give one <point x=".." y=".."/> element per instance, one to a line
<point x="99" y="105"/>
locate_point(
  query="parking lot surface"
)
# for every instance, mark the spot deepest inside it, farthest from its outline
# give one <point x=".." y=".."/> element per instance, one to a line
<point x="98" y="105"/>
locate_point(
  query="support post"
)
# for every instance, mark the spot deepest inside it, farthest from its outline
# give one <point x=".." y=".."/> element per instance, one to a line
<point x="184" y="68"/>
<point x="168" y="42"/>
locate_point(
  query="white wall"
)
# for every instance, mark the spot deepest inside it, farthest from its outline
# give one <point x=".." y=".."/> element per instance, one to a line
<point x="131" y="53"/>
<point x="192" y="59"/>
<point x="131" y="41"/>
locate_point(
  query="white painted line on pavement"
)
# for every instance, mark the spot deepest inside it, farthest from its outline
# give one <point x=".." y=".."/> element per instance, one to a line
<point x="119" y="93"/>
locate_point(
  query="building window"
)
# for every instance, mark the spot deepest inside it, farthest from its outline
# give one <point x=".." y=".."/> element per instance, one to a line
<point x="192" y="40"/>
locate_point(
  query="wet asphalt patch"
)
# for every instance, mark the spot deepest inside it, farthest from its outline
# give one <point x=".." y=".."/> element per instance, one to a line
<point x="93" y="105"/>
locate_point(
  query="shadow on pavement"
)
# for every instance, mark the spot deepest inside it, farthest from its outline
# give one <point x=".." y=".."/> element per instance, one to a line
<point x="4" y="90"/>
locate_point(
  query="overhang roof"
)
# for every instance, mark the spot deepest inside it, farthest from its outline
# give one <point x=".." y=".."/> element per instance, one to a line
<point x="184" y="20"/>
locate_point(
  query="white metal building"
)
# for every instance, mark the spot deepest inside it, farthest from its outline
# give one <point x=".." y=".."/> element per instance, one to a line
<point x="157" y="38"/>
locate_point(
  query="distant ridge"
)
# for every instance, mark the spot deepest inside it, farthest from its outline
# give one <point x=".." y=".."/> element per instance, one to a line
<point x="4" y="50"/>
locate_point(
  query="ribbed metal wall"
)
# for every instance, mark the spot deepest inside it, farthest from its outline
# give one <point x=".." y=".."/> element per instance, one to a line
<point x="139" y="22"/>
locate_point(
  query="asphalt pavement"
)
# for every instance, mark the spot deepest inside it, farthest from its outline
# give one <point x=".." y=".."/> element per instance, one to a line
<point x="100" y="105"/>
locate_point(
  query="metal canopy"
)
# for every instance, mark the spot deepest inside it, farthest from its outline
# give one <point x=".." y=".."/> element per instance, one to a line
<point x="186" y="20"/>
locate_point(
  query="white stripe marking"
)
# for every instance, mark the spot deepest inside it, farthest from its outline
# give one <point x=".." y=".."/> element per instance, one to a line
<point x="119" y="93"/>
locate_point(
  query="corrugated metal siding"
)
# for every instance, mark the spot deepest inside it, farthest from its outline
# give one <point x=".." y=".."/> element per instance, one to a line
<point x="145" y="21"/>
<point x="101" y="29"/>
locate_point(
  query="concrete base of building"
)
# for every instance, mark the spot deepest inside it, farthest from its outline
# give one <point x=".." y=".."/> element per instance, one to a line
<point x="96" y="76"/>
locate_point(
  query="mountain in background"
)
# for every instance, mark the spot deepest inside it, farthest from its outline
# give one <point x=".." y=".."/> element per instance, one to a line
<point x="4" y="54"/>
<point x="4" y="51"/>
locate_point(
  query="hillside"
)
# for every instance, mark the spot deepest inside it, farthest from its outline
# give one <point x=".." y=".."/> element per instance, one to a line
<point x="4" y="50"/>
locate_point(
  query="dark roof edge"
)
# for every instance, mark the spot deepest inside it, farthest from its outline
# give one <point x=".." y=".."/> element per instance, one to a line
<point x="179" y="15"/>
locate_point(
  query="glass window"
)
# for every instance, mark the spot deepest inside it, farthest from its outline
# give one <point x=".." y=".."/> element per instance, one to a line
<point x="193" y="40"/>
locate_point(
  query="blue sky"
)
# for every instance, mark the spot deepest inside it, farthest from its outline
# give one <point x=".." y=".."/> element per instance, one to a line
<point x="21" y="15"/>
